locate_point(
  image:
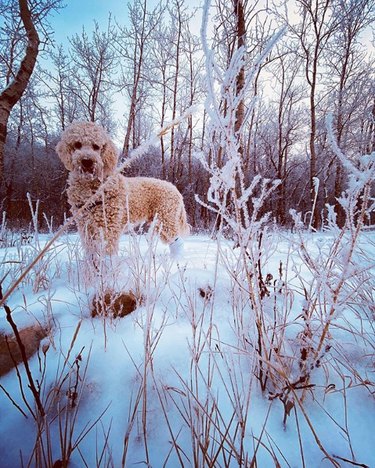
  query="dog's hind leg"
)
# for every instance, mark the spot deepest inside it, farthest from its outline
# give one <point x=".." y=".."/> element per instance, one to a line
<point x="173" y="229"/>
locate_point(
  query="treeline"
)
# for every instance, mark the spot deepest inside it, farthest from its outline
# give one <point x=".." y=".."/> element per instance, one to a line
<point x="155" y="66"/>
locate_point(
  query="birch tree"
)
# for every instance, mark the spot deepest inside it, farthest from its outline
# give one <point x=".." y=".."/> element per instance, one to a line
<point x="20" y="45"/>
<point x="17" y="76"/>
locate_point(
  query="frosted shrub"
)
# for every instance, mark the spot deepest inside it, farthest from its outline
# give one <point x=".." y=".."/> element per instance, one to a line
<point x="239" y="207"/>
<point x="341" y="272"/>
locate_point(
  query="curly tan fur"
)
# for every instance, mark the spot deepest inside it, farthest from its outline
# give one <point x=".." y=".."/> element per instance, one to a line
<point x="91" y="159"/>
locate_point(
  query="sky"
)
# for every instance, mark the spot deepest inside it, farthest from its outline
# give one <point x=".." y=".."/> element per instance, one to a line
<point x="78" y="13"/>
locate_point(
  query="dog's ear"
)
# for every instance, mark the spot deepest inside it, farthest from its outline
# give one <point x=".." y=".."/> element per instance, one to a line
<point x="109" y="157"/>
<point x="62" y="149"/>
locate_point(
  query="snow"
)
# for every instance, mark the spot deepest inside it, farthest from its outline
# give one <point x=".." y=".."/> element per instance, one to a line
<point x="181" y="366"/>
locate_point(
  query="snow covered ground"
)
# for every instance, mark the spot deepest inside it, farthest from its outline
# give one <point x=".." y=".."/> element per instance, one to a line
<point x="178" y="382"/>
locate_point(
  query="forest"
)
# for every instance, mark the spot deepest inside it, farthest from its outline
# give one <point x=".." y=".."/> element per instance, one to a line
<point x="135" y="77"/>
<point x="254" y="347"/>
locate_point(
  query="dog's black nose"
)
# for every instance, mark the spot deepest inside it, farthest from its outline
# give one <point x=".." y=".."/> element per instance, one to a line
<point x="87" y="165"/>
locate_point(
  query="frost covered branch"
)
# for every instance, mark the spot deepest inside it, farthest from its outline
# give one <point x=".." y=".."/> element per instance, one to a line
<point x="230" y="195"/>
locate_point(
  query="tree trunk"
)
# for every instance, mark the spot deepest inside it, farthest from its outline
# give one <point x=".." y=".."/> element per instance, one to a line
<point x="15" y="89"/>
<point x="132" y="109"/>
<point x="172" y="162"/>
<point x="240" y="82"/>
<point x="371" y="132"/>
<point x="339" y="132"/>
<point x="312" y="80"/>
<point x="314" y="32"/>
<point x="163" y="112"/>
<point x="138" y="65"/>
<point x="313" y="158"/>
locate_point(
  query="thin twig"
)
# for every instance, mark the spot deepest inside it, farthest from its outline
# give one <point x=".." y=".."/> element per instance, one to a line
<point x="22" y="349"/>
<point x="13" y="402"/>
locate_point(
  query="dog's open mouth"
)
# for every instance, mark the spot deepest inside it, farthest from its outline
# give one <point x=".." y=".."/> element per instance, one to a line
<point x="87" y="166"/>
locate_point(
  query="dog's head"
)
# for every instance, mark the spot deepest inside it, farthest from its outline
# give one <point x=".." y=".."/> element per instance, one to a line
<point x="86" y="150"/>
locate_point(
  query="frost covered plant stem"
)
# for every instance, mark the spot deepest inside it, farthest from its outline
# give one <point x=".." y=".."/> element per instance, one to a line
<point x="227" y="184"/>
<point x="316" y="191"/>
<point x="34" y="216"/>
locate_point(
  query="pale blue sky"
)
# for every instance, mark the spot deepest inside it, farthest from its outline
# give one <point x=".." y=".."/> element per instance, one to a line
<point x="82" y="13"/>
<point x="79" y="13"/>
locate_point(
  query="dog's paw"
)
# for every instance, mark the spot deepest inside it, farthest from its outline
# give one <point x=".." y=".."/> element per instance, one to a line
<point x="114" y="304"/>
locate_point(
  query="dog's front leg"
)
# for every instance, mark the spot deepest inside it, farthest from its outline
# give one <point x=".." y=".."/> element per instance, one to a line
<point x="95" y="253"/>
<point x="105" y="236"/>
<point x="102" y="249"/>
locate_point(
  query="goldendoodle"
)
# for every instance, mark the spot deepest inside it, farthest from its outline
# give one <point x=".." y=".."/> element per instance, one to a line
<point x="91" y="159"/>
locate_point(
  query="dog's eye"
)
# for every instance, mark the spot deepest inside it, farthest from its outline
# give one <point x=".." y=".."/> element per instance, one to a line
<point x="77" y="145"/>
<point x="95" y="147"/>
